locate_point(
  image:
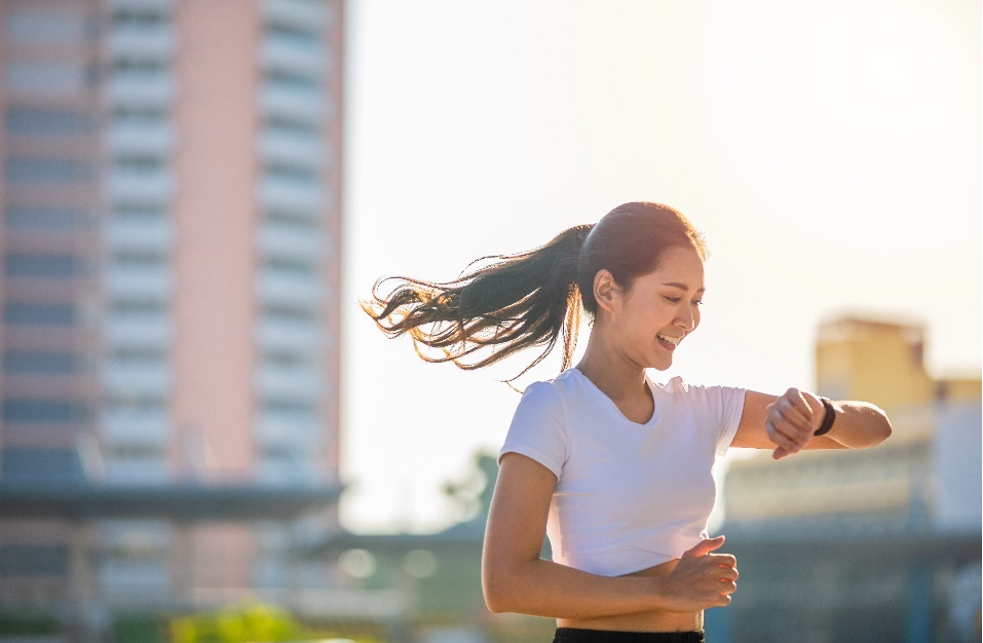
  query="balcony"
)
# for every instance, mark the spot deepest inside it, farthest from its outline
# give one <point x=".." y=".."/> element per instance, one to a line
<point x="290" y="241"/>
<point x="295" y="13"/>
<point x="139" y="331"/>
<point x="143" y="43"/>
<point x="282" y="194"/>
<point x="293" y="291"/>
<point x="151" y="187"/>
<point x="142" y="283"/>
<point x="139" y="90"/>
<point x="289" y="336"/>
<point x="286" y="432"/>
<point x="287" y="102"/>
<point x="155" y="236"/>
<point x="293" y="55"/>
<point x="135" y="429"/>
<point x="304" y="384"/>
<point x="160" y="7"/>
<point x="151" y="380"/>
<point x="290" y="149"/>
<point x="154" y="139"/>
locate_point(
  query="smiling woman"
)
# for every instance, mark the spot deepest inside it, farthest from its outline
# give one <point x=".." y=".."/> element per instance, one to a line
<point x="617" y="469"/>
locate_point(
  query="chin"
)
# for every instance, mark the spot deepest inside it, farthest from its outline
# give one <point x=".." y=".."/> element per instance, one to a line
<point x="662" y="365"/>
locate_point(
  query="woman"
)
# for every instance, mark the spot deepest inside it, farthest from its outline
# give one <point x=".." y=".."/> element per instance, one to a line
<point x="614" y="467"/>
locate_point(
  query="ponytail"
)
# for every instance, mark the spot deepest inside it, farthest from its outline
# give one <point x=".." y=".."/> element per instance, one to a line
<point x="531" y="298"/>
<point x="520" y="301"/>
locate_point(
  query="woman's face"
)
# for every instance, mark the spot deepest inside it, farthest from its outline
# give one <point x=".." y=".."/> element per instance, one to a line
<point x="660" y="309"/>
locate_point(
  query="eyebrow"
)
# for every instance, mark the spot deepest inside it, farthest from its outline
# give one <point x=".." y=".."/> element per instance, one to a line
<point x="675" y="284"/>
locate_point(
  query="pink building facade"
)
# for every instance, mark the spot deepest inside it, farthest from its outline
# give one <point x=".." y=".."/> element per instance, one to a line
<point x="171" y="235"/>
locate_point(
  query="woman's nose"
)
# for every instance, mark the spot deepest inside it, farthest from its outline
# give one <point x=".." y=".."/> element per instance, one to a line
<point x="686" y="319"/>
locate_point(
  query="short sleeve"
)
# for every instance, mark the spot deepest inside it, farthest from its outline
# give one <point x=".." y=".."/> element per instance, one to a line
<point x="727" y="406"/>
<point x="538" y="428"/>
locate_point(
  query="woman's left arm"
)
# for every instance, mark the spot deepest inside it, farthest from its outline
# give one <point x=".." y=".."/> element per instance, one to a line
<point x="786" y="423"/>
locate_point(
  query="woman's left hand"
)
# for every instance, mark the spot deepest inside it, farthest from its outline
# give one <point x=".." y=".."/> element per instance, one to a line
<point x="792" y="420"/>
<point x="787" y="423"/>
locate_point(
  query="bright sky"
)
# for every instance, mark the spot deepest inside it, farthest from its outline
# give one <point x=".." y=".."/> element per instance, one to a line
<point x="830" y="150"/>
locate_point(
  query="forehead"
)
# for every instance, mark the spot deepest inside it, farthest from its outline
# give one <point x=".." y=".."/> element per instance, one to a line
<point x="680" y="266"/>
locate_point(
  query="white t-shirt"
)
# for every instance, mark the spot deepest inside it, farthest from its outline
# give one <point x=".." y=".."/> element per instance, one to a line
<point x="628" y="496"/>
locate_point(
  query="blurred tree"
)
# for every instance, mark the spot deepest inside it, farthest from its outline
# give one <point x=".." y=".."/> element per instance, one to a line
<point x="237" y="625"/>
<point x="473" y="494"/>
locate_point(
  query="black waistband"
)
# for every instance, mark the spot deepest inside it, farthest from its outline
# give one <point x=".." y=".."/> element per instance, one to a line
<point x="577" y="635"/>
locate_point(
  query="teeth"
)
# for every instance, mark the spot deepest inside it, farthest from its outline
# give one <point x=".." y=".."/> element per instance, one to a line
<point x="671" y="340"/>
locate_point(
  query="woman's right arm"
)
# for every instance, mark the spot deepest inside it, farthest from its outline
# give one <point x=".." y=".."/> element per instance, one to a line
<point x="516" y="579"/>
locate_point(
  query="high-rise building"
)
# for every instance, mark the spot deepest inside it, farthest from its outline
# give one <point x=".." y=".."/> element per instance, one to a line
<point x="170" y="235"/>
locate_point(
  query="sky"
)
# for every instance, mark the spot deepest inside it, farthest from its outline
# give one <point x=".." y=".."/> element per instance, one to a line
<point x="830" y="151"/>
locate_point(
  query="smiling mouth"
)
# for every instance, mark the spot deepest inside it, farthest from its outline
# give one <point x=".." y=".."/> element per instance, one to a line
<point x="670" y="340"/>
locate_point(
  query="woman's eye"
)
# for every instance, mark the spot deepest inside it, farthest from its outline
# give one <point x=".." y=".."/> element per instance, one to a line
<point x="697" y="302"/>
<point x="674" y="300"/>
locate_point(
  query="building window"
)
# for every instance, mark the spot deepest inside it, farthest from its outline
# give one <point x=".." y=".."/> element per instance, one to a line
<point x="28" y="77"/>
<point x="134" y="17"/>
<point x="33" y="560"/>
<point x="31" y="314"/>
<point x="53" y="218"/>
<point x="48" y="121"/>
<point x="298" y="175"/>
<point x="291" y="267"/>
<point x="47" y="411"/>
<point x="40" y="363"/>
<point x="283" y="125"/>
<point x="293" y="35"/>
<point x="22" y="25"/>
<point x="37" y="464"/>
<point x="29" y="170"/>
<point x="287" y="314"/>
<point x="34" y="265"/>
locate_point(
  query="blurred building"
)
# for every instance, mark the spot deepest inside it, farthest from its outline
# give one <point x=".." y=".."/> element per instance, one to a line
<point x="427" y="587"/>
<point x="170" y="236"/>
<point x="875" y="539"/>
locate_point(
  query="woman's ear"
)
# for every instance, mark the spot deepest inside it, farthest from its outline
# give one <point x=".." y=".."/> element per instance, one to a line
<point x="606" y="290"/>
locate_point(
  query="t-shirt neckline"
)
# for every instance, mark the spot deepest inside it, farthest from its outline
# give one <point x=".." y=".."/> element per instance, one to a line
<point x="614" y="407"/>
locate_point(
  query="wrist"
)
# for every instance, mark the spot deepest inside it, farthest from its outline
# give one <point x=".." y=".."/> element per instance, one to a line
<point x="659" y="593"/>
<point x="828" y="418"/>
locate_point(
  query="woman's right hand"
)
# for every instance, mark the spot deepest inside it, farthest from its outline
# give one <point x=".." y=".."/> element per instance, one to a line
<point x="700" y="579"/>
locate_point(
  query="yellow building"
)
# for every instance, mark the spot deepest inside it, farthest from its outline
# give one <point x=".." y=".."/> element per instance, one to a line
<point x="900" y="481"/>
<point x="879" y="541"/>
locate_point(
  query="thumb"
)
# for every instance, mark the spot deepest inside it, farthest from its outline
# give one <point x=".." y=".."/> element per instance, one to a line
<point x="704" y="547"/>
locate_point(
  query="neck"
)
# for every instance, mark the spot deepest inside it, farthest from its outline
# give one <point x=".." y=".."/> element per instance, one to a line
<point x="611" y="371"/>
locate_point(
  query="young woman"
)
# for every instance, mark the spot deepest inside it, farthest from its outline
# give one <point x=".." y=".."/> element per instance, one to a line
<point x="614" y="467"/>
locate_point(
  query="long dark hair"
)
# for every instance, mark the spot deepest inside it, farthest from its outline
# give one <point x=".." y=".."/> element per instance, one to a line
<point x="530" y="298"/>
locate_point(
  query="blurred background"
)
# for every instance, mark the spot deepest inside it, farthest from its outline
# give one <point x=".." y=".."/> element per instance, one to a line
<point x="202" y="438"/>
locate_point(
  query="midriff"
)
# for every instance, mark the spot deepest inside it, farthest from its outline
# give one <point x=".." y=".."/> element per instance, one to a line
<point x="650" y="621"/>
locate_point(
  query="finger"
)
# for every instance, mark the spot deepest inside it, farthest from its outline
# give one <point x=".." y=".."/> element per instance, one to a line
<point x="779" y="438"/>
<point x="798" y="400"/>
<point x="729" y="587"/>
<point x="704" y="547"/>
<point x="794" y="427"/>
<point x="779" y="453"/>
<point x="797" y="430"/>
<point x="728" y="573"/>
<point x="725" y="560"/>
<point x="795" y="409"/>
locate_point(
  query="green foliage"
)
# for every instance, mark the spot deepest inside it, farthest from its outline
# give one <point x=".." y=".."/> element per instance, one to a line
<point x="140" y="628"/>
<point x="238" y="625"/>
<point x="27" y="623"/>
